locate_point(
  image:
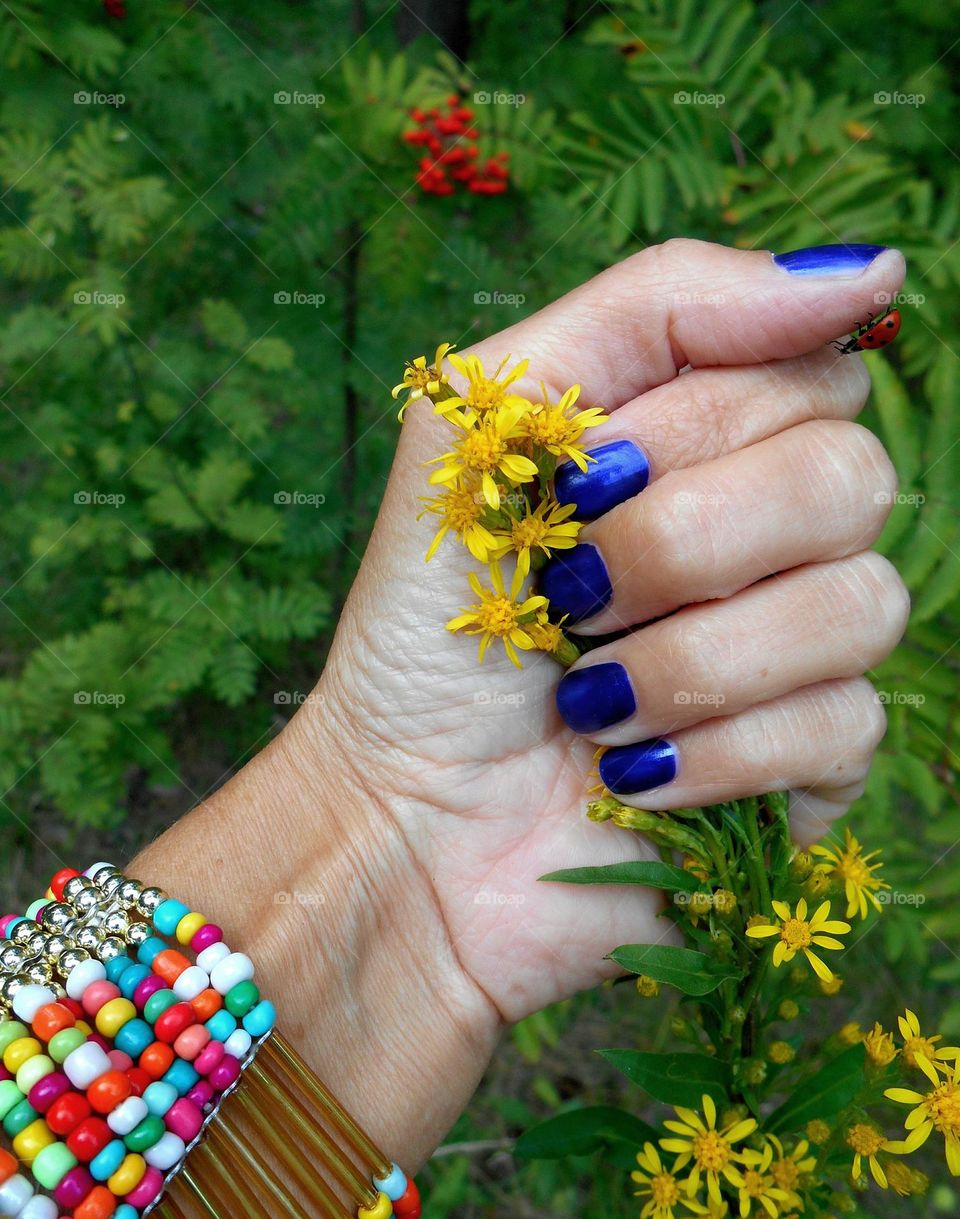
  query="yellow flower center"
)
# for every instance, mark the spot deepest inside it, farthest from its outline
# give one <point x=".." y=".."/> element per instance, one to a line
<point x="531" y="531"/>
<point x="546" y="635"/>
<point x="420" y="378"/>
<point x="483" y="450"/>
<point x="943" y="1106"/>
<point x="785" y="1173"/>
<point x="498" y="615"/>
<point x="462" y="508"/>
<point x="711" y="1151"/>
<point x="920" y="1045"/>
<point x="754" y="1183"/>
<point x="549" y="426"/>
<point x="485" y="395"/>
<point x="664" y="1189"/>
<point x="796" y="933"/>
<point x="864" y="1139"/>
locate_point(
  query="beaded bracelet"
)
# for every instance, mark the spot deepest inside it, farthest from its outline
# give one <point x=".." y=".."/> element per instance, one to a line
<point x="119" y="1052"/>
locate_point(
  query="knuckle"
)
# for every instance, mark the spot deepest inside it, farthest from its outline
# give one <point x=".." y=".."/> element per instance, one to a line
<point x="884" y="599"/>
<point x="840" y="454"/>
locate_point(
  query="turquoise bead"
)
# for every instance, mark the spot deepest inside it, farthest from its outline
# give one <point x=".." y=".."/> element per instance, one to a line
<point x="159" y="1097"/>
<point x="150" y="948"/>
<point x="221" y="1024"/>
<point x="157" y="1004"/>
<point x="34" y="909"/>
<point x="261" y="1019"/>
<point x="394" y="1186"/>
<point x="108" y="1161"/>
<point x="10" y="927"/>
<point x="19" y="1118"/>
<point x="126" y="1211"/>
<point x="168" y="915"/>
<point x="117" y="968"/>
<point x="134" y="1038"/>
<point x="182" y="1076"/>
<point x="131" y="978"/>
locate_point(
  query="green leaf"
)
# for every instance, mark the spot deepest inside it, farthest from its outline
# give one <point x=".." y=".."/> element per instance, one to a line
<point x="692" y="972"/>
<point x="650" y="872"/>
<point x="582" y="1131"/>
<point x="675" y="1079"/>
<point x="825" y="1094"/>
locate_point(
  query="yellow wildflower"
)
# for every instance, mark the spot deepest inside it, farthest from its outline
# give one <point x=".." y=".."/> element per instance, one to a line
<point x="938" y="1109"/>
<point x="797" y="933"/>
<point x="831" y="986"/>
<point x="420" y="378"/>
<point x="788" y="1010"/>
<point x="879" y="1046"/>
<point x="499" y="614"/>
<point x="867" y="1141"/>
<point x="850" y="1034"/>
<point x="661" y="1188"/>
<point x="547" y="528"/>
<point x="915" y="1044"/>
<point x="485" y="393"/>
<point x="853" y="869"/>
<point x="781" y="1052"/>
<point x="711" y="1151"/>
<point x="486" y="451"/>
<point x="757" y="1185"/>
<point x="647" y="987"/>
<point x="906" y="1180"/>
<point x="553" y="427"/>
<point x="461" y="508"/>
<point x="787" y="1168"/>
<point x="818" y="1131"/>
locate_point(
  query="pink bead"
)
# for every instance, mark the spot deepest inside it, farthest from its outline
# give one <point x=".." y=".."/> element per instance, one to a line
<point x="38" y="917"/>
<point x="191" y="1041"/>
<point x="121" y="1061"/>
<point x="149" y="986"/>
<point x="4" y="1074"/>
<point x="208" y="934"/>
<point x="226" y="1072"/>
<point x="212" y="1054"/>
<point x="184" y="1119"/>
<point x="74" y="1188"/>
<point x="149" y="1189"/>
<point x="201" y="1094"/>
<point x="97" y="994"/>
<point x="9" y="918"/>
<point x="45" y="1091"/>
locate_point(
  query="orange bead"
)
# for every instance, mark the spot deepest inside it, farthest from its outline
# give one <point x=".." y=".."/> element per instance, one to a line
<point x="8" y="1165"/>
<point x="100" y="1203"/>
<point x="169" y="965"/>
<point x="207" y="1004"/>
<point x="110" y="1090"/>
<point x="51" y="1019"/>
<point x="157" y="1059"/>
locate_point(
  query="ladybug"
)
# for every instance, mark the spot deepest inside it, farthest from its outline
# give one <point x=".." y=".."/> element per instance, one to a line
<point x="872" y="334"/>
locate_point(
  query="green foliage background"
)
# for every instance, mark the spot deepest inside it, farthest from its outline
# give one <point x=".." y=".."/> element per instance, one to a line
<point x="189" y="475"/>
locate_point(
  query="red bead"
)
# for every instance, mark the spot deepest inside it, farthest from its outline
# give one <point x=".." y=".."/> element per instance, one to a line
<point x="174" y="1021"/>
<point x="60" y="879"/>
<point x="408" y="1206"/>
<point x="140" y="1080"/>
<point x="110" y="1090"/>
<point x="157" y="1059"/>
<point x="66" y="1114"/>
<point x="72" y="1006"/>
<point x="98" y="1204"/>
<point x="89" y="1139"/>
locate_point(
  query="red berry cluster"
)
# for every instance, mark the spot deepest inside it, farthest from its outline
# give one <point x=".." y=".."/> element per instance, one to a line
<point x="115" y="8"/>
<point x="453" y="155"/>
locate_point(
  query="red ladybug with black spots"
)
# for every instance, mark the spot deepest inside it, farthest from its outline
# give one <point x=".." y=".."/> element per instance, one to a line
<point x="872" y="334"/>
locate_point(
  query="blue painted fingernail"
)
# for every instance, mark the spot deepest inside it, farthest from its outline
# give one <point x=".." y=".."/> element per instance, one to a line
<point x="828" y="259"/>
<point x="596" y="697"/>
<point x="619" y="471"/>
<point x="576" y="583"/>
<point x="639" y="768"/>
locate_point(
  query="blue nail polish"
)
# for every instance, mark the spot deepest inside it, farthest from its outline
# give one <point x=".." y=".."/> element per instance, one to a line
<point x="828" y="259"/>
<point x="619" y="471"/>
<point x="639" y="768"/>
<point x="596" y="697"/>
<point x="576" y="583"/>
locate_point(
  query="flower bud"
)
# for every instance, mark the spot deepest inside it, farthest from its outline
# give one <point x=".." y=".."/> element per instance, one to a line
<point x="818" y="1131"/>
<point x="788" y="1010"/>
<point x="753" y="1071"/>
<point x="648" y="987"/>
<point x="781" y="1052"/>
<point x="724" y="902"/>
<point x="801" y="865"/>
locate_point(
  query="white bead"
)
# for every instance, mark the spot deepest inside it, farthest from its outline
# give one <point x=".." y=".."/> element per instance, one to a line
<point x="87" y="1063"/>
<point x="81" y="977"/>
<point x="191" y="983"/>
<point x="40" y="1207"/>
<point x="15" y="1193"/>
<point x="166" y="1152"/>
<point x="235" y="968"/>
<point x="238" y="1044"/>
<point x="212" y="956"/>
<point x="95" y="868"/>
<point x="128" y="1115"/>
<point x="29" y="999"/>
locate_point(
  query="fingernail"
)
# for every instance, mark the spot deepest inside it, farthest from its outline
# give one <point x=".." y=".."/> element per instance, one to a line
<point x="576" y="583"/>
<point x="596" y="697"/>
<point x="828" y="259"/>
<point x="619" y="471"/>
<point x="639" y="768"/>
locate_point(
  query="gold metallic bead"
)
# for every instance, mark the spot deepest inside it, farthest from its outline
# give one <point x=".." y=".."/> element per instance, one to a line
<point x="89" y="938"/>
<point x="12" y="959"/>
<point x="75" y="886"/>
<point x="138" y="934"/>
<point x="151" y="900"/>
<point x="129" y="893"/>
<point x="40" y="973"/>
<point x="116" y="923"/>
<point x="56" y="915"/>
<point x="111" y="948"/>
<point x="36" y="945"/>
<point x="104" y="869"/>
<point x="23" y="931"/>
<point x="108" y="883"/>
<point x="57" y="944"/>
<point x="70" y="959"/>
<point x="10" y="986"/>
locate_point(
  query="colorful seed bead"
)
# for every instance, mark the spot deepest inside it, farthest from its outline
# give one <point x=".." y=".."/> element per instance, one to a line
<point x="66" y="1114"/>
<point x="11" y="1031"/>
<point x="211" y="957"/>
<point x="261" y="1019"/>
<point x="238" y="1044"/>
<point x="47" y="1090"/>
<point x="114" y="1015"/>
<point x="86" y="1064"/>
<point x="103" y="1166"/>
<point x="89" y="1139"/>
<point x="206" y="937"/>
<point x="184" y="1119"/>
<point x="52" y="1165"/>
<point x="241" y="998"/>
<point x="225" y="1073"/>
<point x="51" y="1019"/>
<point x="98" y="1204"/>
<point x="221" y="1025"/>
<point x="97" y="994"/>
<point x="207" y="1004"/>
<point x="169" y="965"/>
<point x="83" y="975"/>
<point x="8" y="1165"/>
<point x="17" y="1053"/>
<point x="192" y="982"/>
<point x="131" y="978"/>
<point x="74" y="1187"/>
<point x="127" y="1116"/>
<point x="125" y="1211"/>
<point x="29" y="1000"/>
<point x="408" y="1206"/>
<point x="117" y="968"/>
<point x="188" y="927"/>
<point x="168" y="916"/>
<point x="32" y="1071"/>
<point x="40" y="1207"/>
<point x="63" y="1044"/>
<point x="394" y="1184"/>
<point x="212" y="1053"/>
<point x="128" y="1176"/>
<point x="109" y="1091"/>
<point x="10" y="1097"/>
<point x="182" y="1076"/>
<point x="159" y="1097"/>
<point x="149" y="949"/>
<point x="201" y="1094"/>
<point x="139" y="1080"/>
<point x="174" y="1021"/>
<point x="382" y="1209"/>
<point x="191" y="1042"/>
<point x="157" y="1059"/>
<point x="148" y="1191"/>
<point x="31" y="1141"/>
<point x="134" y="1037"/>
<point x="233" y="969"/>
<point x="150" y="1131"/>
<point x="166" y="1152"/>
<point x="19" y="1117"/>
<point x="15" y="1193"/>
<point x="159" y="1002"/>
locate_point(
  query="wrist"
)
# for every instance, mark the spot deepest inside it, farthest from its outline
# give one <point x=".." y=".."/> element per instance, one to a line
<point x="308" y="872"/>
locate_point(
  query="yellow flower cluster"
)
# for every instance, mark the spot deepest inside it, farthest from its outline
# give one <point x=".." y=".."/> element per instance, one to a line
<point x="497" y="494"/>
